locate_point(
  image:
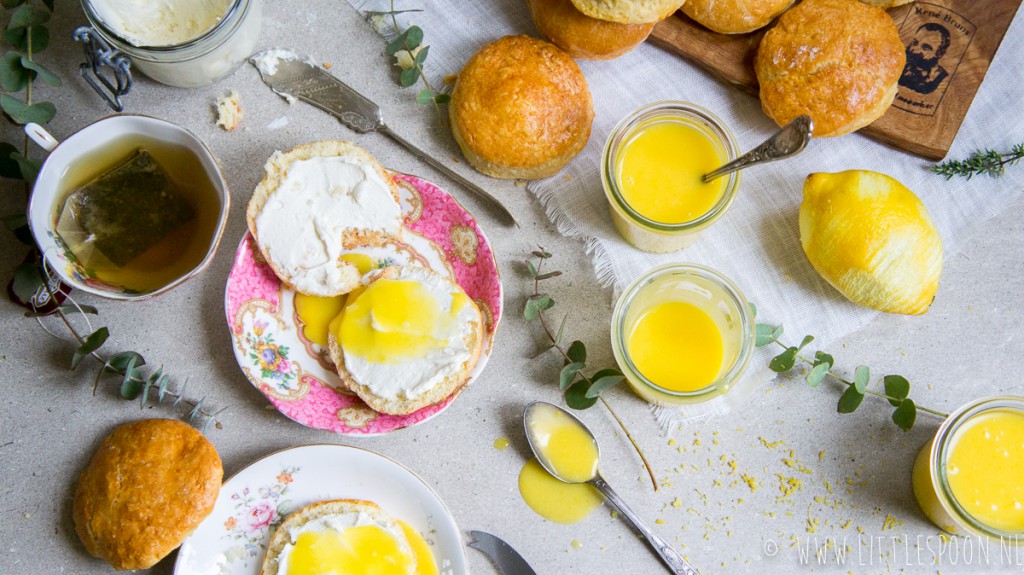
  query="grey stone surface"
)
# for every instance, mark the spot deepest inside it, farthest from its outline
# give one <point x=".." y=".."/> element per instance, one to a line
<point x="858" y="465"/>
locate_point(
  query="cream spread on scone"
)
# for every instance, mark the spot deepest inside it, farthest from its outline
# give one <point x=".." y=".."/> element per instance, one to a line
<point x="303" y="223"/>
<point x="405" y="334"/>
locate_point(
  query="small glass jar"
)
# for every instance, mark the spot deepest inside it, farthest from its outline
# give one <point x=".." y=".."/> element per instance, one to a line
<point x="710" y="292"/>
<point x="640" y="231"/>
<point x="199" y="61"/>
<point x="931" y="484"/>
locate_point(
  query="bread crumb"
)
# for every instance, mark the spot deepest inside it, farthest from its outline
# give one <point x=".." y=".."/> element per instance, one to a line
<point x="327" y="65"/>
<point x="229" y="111"/>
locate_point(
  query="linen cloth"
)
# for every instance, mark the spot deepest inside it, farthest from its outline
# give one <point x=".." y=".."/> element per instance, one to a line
<point x="757" y="242"/>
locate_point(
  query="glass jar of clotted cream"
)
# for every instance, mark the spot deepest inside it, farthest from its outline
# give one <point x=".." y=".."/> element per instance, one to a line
<point x="651" y="172"/>
<point x="969" y="478"/>
<point x="181" y="43"/>
<point x="682" y="333"/>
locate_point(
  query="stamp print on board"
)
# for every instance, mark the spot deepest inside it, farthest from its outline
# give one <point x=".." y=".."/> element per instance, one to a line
<point x="936" y="41"/>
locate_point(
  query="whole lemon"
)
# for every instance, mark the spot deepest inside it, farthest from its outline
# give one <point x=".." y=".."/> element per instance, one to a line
<point x="871" y="238"/>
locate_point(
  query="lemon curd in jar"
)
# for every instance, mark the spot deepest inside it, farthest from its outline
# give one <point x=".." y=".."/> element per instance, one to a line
<point x="682" y="334"/>
<point x="652" y="173"/>
<point x="970" y="477"/>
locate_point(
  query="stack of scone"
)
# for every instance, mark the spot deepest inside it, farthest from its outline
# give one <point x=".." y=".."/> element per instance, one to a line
<point x="406" y="337"/>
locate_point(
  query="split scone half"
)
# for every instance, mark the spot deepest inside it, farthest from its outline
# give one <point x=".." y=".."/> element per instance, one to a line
<point x="316" y="203"/>
<point x="410" y="338"/>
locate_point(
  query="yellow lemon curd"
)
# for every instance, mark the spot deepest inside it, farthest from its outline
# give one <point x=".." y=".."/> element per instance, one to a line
<point x="569" y="449"/>
<point x="677" y="346"/>
<point x="316" y="312"/>
<point x="556" y="500"/>
<point x="363" y="550"/>
<point x="660" y="168"/>
<point x="985" y="469"/>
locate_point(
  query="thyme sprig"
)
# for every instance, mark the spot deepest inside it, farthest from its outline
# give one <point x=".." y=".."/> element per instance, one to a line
<point x="896" y="387"/>
<point x="32" y="283"/>
<point x="582" y="391"/>
<point x="985" y="161"/>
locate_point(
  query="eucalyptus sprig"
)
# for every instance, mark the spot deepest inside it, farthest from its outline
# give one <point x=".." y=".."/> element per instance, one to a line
<point x="896" y="387"/>
<point x="986" y="161"/>
<point x="33" y="284"/>
<point x="410" y="53"/>
<point x="582" y="391"/>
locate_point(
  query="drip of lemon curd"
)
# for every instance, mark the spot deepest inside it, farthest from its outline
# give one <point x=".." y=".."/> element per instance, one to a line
<point x="677" y="346"/>
<point x="570" y="450"/>
<point x="363" y="550"/>
<point x="391" y="321"/>
<point x="556" y="500"/>
<point x="316" y="312"/>
<point x="425" y="564"/>
<point x="985" y="469"/>
<point x="660" y="168"/>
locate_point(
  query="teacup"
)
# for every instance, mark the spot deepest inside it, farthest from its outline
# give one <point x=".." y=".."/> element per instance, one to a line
<point x="51" y="190"/>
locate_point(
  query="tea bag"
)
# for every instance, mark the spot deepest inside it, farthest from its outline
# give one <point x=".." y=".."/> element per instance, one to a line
<point x="123" y="212"/>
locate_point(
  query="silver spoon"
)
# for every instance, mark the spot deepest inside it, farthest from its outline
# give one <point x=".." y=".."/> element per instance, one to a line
<point x="672" y="560"/>
<point x="790" y="140"/>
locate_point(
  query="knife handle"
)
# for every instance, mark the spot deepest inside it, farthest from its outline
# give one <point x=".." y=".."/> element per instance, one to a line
<point x="449" y="172"/>
<point x="668" y="555"/>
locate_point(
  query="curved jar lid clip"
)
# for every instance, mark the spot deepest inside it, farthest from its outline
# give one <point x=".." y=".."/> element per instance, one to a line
<point x="99" y="55"/>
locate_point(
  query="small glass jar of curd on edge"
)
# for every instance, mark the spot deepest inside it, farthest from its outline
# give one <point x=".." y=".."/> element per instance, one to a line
<point x="969" y="479"/>
<point x="682" y="333"/>
<point x="651" y="172"/>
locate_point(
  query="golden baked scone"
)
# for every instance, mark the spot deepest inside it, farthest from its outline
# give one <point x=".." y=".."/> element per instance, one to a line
<point x="147" y="487"/>
<point x="409" y="339"/>
<point x="521" y="108"/>
<point x="836" y="60"/>
<point x="582" y="36"/>
<point x="304" y="226"/>
<point x="735" y="16"/>
<point x="628" y="11"/>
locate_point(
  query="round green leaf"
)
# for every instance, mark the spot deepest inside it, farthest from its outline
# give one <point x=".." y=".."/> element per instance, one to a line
<point x="897" y="388"/>
<point x="577" y="352"/>
<point x="817" y="374"/>
<point x="850" y="400"/>
<point x="861" y="378"/>
<point x="408" y="77"/>
<point x="568" y="374"/>
<point x="414" y="37"/>
<point x="22" y="113"/>
<point x="28" y="16"/>
<point x="13" y="76"/>
<point x="601" y="384"/>
<point x="576" y="396"/>
<point x="44" y="74"/>
<point x="905" y="415"/>
<point x="784" y="361"/>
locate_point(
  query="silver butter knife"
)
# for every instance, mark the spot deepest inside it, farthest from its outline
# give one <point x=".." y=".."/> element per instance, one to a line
<point x="292" y="76"/>
<point x="504" y="556"/>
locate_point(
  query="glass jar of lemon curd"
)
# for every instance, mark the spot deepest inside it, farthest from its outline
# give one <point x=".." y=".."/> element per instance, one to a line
<point x="969" y="478"/>
<point x="651" y="172"/>
<point x="682" y="333"/>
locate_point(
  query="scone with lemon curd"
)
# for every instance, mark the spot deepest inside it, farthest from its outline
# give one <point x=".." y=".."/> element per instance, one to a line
<point x="346" y="536"/>
<point x="407" y="340"/>
<point x="628" y="11"/>
<point x="315" y="203"/>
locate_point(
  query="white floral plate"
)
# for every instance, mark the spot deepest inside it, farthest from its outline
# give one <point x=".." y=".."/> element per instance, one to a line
<point x="233" y="539"/>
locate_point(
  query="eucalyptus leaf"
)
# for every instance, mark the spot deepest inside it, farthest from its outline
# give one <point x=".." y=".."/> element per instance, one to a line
<point x="426" y="96"/>
<point x="784" y="361"/>
<point x="130" y="387"/>
<point x="197" y="410"/>
<point x="65" y="309"/>
<point x="530" y="310"/>
<point x="13" y="76"/>
<point x="28" y="167"/>
<point x="22" y="113"/>
<point x="442" y="98"/>
<point x="532" y="268"/>
<point x="897" y="388"/>
<point x="753" y="309"/>
<point x="92" y="342"/>
<point x="542" y="254"/>
<point x="544" y="302"/>
<point x="28" y="16"/>
<point x="413" y="37"/>
<point x="822" y="358"/>
<point x="181" y="394"/>
<point x="561" y="330"/>
<point x="408" y="77"/>
<point x="577" y="352"/>
<point x="861" y="378"/>
<point x="421" y="56"/>
<point x="763" y="334"/>
<point x="8" y="166"/>
<point x="543" y="350"/>
<point x="807" y="339"/>
<point x="124" y="361"/>
<point x="44" y="74"/>
<point x="576" y="396"/>
<point x="27" y="281"/>
<point x="777" y="333"/>
<point x="19" y="38"/>
<point x="850" y="400"/>
<point x="817" y="374"/>
<point x="397" y="44"/>
<point x="161" y="389"/>
<point x="905" y="415"/>
<point x="549" y="275"/>
<point x="603" y="383"/>
<point x="13" y="3"/>
<point x="568" y="374"/>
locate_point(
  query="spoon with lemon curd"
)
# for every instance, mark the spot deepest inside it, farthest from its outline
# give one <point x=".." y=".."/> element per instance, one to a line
<point x="567" y="449"/>
<point x="788" y="141"/>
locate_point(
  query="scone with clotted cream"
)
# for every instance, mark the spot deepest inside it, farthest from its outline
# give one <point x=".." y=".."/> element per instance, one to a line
<point x="408" y="339"/>
<point x="315" y="204"/>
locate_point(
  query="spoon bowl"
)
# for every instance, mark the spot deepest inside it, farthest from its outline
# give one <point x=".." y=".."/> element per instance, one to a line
<point x="568" y="450"/>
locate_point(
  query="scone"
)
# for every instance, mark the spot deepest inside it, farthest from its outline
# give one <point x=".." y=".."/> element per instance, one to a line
<point x="407" y="340"/>
<point x="328" y="535"/>
<point x="147" y="487"/>
<point x="582" y="36"/>
<point x="836" y="60"/>
<point x="521" y="108"/>
<point x="735" y="16"/>
<point x="628" y="11"/>
<point x="315" y="203"/>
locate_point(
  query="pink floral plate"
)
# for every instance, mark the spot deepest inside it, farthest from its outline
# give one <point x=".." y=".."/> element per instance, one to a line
<point x="232" y="540"/>
<point x="297" y="375"/>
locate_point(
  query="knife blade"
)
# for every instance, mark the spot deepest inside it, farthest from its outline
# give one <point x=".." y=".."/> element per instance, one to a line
<point x="294" y="77"/>
<point x="508" y="560"/>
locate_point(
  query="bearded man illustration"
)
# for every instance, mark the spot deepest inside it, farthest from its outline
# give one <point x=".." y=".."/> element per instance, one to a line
<point x="923" y="74"/>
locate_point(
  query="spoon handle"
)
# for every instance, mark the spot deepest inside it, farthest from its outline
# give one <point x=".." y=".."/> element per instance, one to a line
<point x="791" y="139"/>
<point x="673" y="560"/>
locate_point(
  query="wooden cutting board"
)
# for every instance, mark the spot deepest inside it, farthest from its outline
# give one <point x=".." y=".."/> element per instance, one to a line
<point x="933" y="97"/>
